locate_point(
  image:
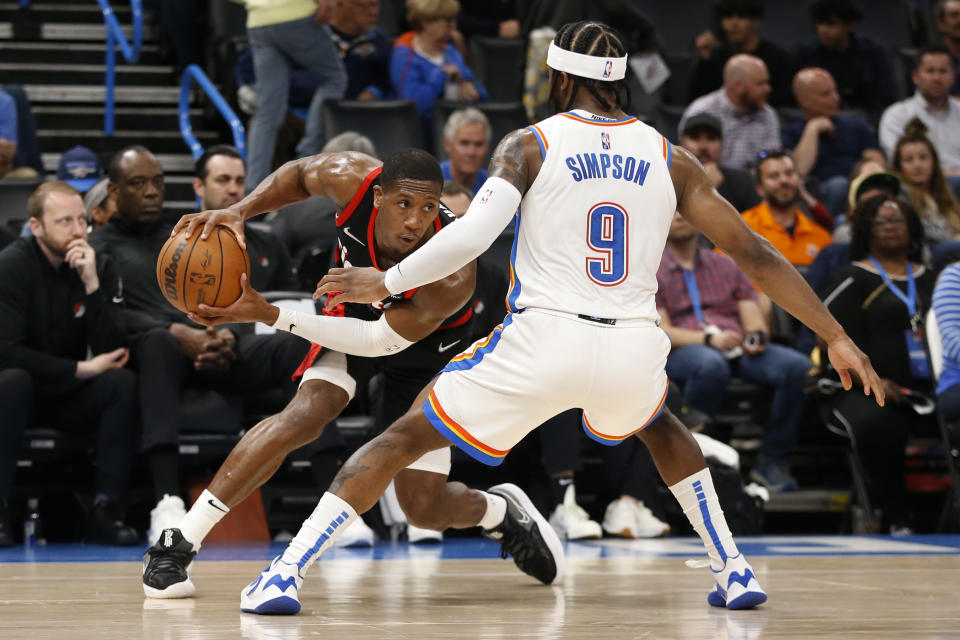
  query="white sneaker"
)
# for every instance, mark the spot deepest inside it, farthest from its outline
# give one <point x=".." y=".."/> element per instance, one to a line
<point x="571" y="522"/>
<point x="630" y="518"/>
<point x="358" y="534"/>
<point x="275" y="591"/>
<point x="416" y="535"/>
<point x="736" y="586"/>
<point x="168" y="514"/>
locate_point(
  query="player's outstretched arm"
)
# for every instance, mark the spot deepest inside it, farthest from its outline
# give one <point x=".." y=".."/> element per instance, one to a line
<point x="699" y="202"/>
<point x="330" y="175"/>
<point x="513" y="168"/>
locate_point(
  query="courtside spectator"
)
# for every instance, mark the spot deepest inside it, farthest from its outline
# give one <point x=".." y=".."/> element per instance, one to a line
<point x="827" y="144"/>
<point x="740" y="20"/>
<point x="750" y="125"/>
<point x="98" y="203"/>
<point x="947" y="15"/>
<point x="364" y="48"/>
<point x="62" y="354"/>
<point x="466" y="139"/>
<point x="946" y="305"/>
<point x="933" y="75"/>
<point x="425" y="67"/>
<point x="703" y="137"/>
<point x="778" y="218"/>
<point x="709" y="309"/>
<point x="80" y="168"/>
<point x="859" y="65"/>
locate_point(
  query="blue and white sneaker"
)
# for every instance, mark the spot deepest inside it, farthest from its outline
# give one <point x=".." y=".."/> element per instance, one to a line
<point x="276" y="591"/>
<point x="737" y="586"/>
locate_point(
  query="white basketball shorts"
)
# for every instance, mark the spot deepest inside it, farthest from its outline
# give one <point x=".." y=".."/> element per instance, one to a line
<point x="539" y="363"/>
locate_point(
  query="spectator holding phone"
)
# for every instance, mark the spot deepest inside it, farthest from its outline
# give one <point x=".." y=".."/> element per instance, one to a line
<point x="709" y="309"/>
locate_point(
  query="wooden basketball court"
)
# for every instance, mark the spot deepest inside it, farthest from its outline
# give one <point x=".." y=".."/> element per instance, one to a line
<point x="820" y="587"/>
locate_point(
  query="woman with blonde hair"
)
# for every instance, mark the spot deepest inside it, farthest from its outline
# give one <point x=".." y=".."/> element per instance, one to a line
<point x="425" y="67"/>
<point x="916" y="161"/>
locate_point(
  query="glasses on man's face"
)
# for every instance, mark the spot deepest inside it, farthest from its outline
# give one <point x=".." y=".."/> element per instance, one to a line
<point x="892" y="220"/>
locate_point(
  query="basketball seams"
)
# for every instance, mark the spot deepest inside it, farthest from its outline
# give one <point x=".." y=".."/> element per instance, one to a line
<point x="216" y="296"/>
<point x="186" y="271"/>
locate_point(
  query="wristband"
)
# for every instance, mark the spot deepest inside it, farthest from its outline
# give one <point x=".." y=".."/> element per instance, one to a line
<point x="707" y="338"/>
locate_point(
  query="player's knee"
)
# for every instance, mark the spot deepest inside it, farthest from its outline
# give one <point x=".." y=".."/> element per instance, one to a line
<point x="316" y="403"/>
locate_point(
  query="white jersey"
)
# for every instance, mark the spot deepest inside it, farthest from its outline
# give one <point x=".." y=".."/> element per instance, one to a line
<point x="593" y="225"/>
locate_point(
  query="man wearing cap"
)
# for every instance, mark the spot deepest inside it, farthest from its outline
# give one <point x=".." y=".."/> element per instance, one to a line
<point x="80" y="168"/>
<point x="702" y="136"/>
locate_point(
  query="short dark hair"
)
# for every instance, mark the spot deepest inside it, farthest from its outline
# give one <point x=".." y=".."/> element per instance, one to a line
<point x="765" y="156"/>
<point x="113" y="169"/>
<point x="200" y="167"/>
<point x="410" y="164"/>
<point x="746" y="8"/>
<point x="593" y="39"/>
<point x="845" y="11"/>
<point x="862" y="227"/>
<point x="930" y="49"/>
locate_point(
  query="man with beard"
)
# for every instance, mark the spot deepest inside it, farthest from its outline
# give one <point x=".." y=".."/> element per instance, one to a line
<point x="750" y="124"/>
<point x="57" y="299"/>
<point x="218" y="181"/>
<point x="170" y="352"/>
<point x="777" y="218"/>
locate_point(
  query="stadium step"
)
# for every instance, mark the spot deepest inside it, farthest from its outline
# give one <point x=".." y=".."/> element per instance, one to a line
<point x="54" y="72"/>
<point x="164" y="141"/>
<point x="70" y="116"/>
<point x="12" y="51"/>
<point x="72" y="12"/>
<point x="73" y="32"/>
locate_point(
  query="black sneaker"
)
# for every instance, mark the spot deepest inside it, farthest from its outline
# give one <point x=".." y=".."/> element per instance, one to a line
<point x="165" y="566"/>
<point x="527" y="536"/>
<point x="105" y="526"/>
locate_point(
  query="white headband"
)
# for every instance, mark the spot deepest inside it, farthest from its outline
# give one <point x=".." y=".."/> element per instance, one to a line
<point x="578" y="64"/>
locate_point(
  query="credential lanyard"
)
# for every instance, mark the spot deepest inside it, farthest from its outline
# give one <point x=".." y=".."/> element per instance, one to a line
<point x="911" y="298"/>
<point x="691" y="281"/>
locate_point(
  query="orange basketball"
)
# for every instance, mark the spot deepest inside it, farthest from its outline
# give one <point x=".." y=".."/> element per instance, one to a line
<point x="194" y="271"/>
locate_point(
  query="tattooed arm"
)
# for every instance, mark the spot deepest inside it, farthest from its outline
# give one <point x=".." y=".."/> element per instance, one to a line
<point x="513" y="168"/>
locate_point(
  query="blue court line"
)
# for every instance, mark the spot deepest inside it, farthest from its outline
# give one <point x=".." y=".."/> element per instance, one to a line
<point x="481" y="548"/>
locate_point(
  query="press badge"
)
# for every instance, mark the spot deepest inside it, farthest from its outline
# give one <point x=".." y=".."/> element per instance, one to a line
<point x="919" y="366"/>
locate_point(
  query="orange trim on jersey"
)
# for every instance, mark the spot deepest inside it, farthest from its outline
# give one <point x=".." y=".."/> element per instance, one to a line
<point x="546" y="145"/>
<point x="459" y="431"/>
<point x="358" y="196"/>
<point x="624" y="437"/>
<point x="466" y="355"/>
<point x="574" y="116"/>
<point x="664" y="147"/>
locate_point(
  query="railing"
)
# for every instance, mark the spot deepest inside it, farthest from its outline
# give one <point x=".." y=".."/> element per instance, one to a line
<point x="194" y="74"/>
<point x="131" y="52"/>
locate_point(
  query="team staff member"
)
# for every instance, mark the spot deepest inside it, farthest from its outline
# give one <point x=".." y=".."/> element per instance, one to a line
<point x="57" y="298"/>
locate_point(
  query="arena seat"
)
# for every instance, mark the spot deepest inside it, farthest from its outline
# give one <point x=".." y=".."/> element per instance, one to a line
<point x="14" y="193"/>
<point x="498" y="64"/>
<point x="391" y="124"/>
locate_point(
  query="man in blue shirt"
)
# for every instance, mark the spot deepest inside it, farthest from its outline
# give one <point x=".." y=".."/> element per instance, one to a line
<point x="466" y="139"/>
<point x="825" y="144"/>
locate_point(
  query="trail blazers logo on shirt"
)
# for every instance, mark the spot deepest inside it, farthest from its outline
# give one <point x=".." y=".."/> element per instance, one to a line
<point x="78" y="310"/>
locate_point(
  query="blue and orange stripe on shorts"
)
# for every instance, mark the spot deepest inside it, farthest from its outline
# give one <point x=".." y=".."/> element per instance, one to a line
<point x="458" y="435"/>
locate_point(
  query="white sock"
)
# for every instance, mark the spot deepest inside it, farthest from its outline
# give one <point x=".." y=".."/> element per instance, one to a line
<point x="698" y="499"/>
<point x="496" y="511"/>
<point x="331" y="517"/>
<point x="207" y="511"/>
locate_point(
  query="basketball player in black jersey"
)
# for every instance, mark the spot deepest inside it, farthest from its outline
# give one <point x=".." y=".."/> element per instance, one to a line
<point x="385" y="212"/>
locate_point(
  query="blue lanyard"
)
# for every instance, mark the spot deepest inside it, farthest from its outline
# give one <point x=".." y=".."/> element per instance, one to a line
<point x="691" y="281"/>
<point x="911" y="298"/>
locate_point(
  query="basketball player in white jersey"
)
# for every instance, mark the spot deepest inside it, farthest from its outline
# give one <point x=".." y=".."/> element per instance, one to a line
<point x="594" y="191"/>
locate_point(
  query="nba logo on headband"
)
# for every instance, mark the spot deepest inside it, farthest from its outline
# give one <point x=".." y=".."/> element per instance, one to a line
<point x="607" y="68"/>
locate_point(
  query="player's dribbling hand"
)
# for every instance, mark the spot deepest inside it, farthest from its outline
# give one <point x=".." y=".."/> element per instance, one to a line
<point x="206" y="221"/>
<point x="353" y="284"/>
<point x="845" y="356"/>
<point x="249" y="307"/>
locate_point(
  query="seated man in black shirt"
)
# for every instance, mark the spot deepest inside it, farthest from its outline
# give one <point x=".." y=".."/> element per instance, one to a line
<point x="219" y="181"/>
<point x="169" y="351"/>
<point x="58" y="302"/>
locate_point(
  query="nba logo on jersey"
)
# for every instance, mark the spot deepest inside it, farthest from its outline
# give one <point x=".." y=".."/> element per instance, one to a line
<point x="605" y="139"/>
<point x="486" y="196"/>
<point x="607" y="68"/>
